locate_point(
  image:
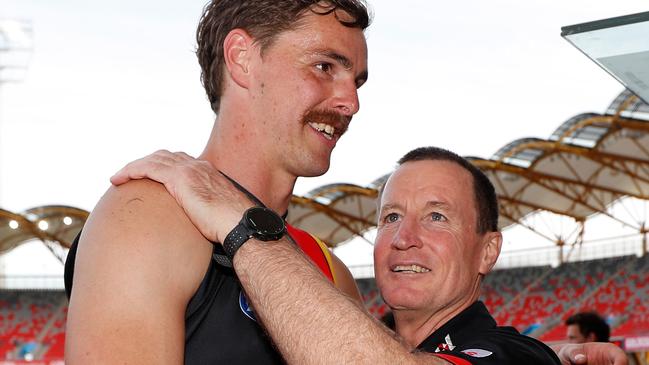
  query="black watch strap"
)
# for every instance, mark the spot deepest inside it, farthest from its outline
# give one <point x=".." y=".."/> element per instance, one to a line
<point x="222" y="259"/>
<point x="235" y="239"/>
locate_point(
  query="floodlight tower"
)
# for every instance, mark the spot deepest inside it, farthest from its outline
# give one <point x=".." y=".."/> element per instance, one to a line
<point x="16" y="43"/>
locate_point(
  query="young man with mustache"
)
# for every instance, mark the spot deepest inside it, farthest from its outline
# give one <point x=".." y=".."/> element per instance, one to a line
<point x="148" y="287"/>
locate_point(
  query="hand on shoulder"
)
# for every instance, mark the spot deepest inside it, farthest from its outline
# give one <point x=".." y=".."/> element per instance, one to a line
<point x="209" y="199"/>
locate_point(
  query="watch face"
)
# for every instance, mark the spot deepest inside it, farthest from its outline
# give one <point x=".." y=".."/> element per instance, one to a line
<point x="265" y="221"/>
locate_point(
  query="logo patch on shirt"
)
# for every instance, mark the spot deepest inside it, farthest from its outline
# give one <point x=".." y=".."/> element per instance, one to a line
<point x="447" y="346"/>
<point x="245" y="307"/>
<point x="477" y="352"/>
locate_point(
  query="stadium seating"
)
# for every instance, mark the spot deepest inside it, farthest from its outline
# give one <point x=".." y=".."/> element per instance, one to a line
<point x="542" y="304"/>
<point x="536" y="300"/>
<point x="619" y="298"/>
<point x="371" y="297"/>
<point x="636" y="310"/>
<point x="29" y="323"/>
<point x="502" y="286"/>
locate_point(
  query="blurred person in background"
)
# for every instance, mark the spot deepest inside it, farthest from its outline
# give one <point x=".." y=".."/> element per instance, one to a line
<point x="587" y="327"/>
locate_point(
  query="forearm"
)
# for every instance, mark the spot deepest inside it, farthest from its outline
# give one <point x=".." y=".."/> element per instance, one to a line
<point x="296" y="305"/>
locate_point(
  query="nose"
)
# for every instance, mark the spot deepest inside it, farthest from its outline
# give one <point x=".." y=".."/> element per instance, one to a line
<point x="346" y="97"/>
<point x="408" y="235"/>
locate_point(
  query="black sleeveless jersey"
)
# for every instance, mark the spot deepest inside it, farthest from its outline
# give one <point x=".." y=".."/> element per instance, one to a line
<point x="220" y="327"/>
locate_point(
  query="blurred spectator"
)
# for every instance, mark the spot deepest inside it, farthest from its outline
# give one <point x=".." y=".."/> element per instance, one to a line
<point x="587" y="327"/>
<point x="27" y="350"/>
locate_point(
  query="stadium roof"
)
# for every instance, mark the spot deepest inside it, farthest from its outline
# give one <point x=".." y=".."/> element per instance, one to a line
<point x="54" y="225"/>
<point x="589" y="162"/>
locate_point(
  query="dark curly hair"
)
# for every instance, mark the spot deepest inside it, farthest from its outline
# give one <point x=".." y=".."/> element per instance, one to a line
<point x="263" y="20"/>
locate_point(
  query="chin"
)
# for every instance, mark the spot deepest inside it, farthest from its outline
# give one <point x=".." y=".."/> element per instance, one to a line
<point x="401" y="298"/>
<point x="404" y="304"/>
<point x="316" y="168"/>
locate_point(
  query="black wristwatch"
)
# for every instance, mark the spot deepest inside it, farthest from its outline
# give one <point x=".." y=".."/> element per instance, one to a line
<point x="258" y="222"/>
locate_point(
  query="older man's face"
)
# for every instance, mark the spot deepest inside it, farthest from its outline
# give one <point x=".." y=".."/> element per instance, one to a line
<point x="428" y="255"/>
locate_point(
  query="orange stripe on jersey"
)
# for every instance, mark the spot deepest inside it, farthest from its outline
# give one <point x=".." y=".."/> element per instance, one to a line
<point x="325" y="251"/>
<point x="314" y="248"/>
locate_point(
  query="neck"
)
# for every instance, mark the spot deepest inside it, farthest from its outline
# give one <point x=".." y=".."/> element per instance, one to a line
<point x="236" y="151"/>
<point x="415" y="325"/>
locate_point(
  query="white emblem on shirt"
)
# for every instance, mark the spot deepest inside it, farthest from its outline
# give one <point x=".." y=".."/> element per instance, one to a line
<point x="477" y="352"/>
<point x="448" y="346"/>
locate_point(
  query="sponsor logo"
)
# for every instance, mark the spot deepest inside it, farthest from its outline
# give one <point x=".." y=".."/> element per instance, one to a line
<point x="447" y="346"/>
<point x="245" y="307"/>
<point x="477" y="352"/>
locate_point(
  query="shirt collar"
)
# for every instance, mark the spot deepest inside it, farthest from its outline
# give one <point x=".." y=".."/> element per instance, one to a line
<point x="473" y="319"/>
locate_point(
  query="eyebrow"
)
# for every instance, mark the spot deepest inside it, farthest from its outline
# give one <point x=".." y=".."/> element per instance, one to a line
<point x="388" y="207"/>
<point x="346" y="63"/>
<point x="437" y="204"/>
<point x="429" y="204"/>
<point x="343" y="60"/>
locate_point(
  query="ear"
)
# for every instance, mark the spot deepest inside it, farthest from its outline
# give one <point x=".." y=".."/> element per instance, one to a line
<point x="491" y="244"/>
<point x="237" y="51"/>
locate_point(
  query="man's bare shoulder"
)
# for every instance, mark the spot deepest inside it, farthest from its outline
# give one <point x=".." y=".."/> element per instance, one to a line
<point x="138" y="263"/>
<point x="140" y="221"/>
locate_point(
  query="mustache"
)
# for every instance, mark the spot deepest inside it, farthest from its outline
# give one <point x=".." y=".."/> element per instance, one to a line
<point x="338" y="121"/>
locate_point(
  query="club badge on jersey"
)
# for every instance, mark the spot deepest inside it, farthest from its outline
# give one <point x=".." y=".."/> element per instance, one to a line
<point x="245" y="307"/>
<point x="447" y="346"/>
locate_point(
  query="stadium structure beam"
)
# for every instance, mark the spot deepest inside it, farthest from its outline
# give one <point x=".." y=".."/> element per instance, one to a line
<point x="566" y="195"/>
<point x="347" y="189"/>
<point x="527" y="226"/>
<point x="612" y="161"/>
<point x="615" y="123"/>
<point x="335" y="215"/>
<point x="632" y="98"/>
<point x="328" y="210"/>
<point x="595" y="155"/>
<point x="644" y="232"/>
<point x="536" y="206"/>
<point x="576" y="217"/>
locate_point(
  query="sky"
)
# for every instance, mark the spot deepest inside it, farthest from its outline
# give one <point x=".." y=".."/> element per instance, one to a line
<point x="111" y="81"/>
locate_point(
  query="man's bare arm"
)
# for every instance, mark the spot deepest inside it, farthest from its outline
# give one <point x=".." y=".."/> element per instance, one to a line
<point x="131" y="284"/>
